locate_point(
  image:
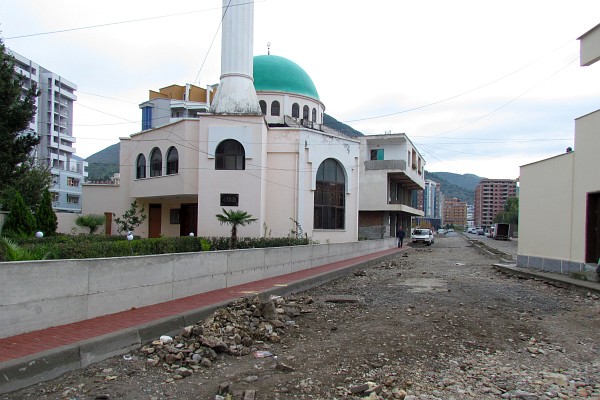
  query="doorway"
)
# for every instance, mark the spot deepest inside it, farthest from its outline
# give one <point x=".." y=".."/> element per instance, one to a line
<point x="592" y="235"/>
<point x="188" y="219"/>
<point x="154" y="221"/>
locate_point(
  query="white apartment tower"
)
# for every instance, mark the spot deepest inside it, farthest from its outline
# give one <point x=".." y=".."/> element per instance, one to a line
<point x="53" y="123"/>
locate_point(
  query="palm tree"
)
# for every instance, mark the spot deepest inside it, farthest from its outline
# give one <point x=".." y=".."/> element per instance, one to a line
<point x="235" y="218"/>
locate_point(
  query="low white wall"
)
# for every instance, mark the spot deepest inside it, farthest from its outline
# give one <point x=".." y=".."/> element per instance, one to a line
<point x="39" y="294"/>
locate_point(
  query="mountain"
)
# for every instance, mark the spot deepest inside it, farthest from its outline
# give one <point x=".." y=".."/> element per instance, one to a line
<point x="103" y="164"/>
<point x="455" y="185"/>
<point x="333" y="123"/>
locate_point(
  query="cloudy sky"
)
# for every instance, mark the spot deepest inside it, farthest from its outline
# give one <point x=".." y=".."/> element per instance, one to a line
<point x="479" y="86"/>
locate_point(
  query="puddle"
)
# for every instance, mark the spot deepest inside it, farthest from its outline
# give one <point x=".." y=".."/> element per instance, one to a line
<point x="422" y="285"/>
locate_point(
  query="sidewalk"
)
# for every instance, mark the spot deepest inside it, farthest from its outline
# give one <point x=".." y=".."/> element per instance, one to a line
<point x="41" y="355"/>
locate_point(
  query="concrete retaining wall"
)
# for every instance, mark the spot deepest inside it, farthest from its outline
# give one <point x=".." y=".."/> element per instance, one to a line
<point x="564" y="267"/>
<point x="39" y="294"/>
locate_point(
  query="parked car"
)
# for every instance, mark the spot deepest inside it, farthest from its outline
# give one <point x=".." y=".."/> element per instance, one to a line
<point x="480" y="231"/>
<point x="472" y="230"/>
<point x="422" y="235"/>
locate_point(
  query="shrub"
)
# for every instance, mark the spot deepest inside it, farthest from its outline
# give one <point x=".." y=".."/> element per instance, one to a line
<point x="45" y="217"/>
<point x="90" y="221"/>
<point x="20" y="221"/>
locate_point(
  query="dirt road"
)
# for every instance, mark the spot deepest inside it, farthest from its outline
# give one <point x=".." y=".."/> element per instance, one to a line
<point x="429" y="323"/>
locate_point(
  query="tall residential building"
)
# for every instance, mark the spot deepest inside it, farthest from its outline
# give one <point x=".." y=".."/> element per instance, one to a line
<point x="53" y="123"/>
<point x="432" y="199"/>
<point x="490" y="197"/>
<point x="455" y="212"/>
<point x="470" y="215"/>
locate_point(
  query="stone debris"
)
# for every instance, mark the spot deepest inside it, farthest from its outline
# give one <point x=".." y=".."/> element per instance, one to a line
<point x="244" y="327"/>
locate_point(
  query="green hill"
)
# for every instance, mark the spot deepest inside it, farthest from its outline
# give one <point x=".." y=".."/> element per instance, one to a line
<point x="333" y="123"/>
<point x="455" y="185"/>
<point x="103" y="164"/>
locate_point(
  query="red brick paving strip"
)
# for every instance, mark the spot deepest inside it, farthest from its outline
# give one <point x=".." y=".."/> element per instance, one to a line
<point x="25" y="344"/>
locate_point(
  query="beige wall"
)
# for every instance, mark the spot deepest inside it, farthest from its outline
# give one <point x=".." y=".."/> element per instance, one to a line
<point x="590" y="46"/>
<point x="586" y="176"/>
<point x="545" y="204"/>
<point x="553" y="197"/>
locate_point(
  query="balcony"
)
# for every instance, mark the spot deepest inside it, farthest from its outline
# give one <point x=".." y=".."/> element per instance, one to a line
<point x="377" y="165"/>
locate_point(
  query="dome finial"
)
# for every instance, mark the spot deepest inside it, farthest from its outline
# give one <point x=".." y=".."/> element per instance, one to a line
<point x="269" y="48"/>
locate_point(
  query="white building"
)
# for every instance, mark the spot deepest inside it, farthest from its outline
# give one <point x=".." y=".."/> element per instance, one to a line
<point x="559" y="198"/>
<point x="391" y="169"/>
<point x="251" y="151"/>
<point x="53" y="123"/>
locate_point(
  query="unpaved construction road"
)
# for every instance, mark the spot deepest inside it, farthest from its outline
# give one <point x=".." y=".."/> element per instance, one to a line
<point x="433" y="322"/>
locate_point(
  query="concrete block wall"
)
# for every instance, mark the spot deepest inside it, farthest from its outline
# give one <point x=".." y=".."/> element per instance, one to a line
<point x="39" y="294"/>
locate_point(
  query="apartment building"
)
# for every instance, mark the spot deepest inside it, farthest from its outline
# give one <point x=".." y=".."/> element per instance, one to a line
<point x="53" y="123"/>
<point x="490" y="197"/>
<point x="454" y="212"/>
<point x="391" y="172"/>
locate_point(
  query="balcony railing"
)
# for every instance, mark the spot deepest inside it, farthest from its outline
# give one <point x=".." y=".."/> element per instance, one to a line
<point x="372" y="165"/>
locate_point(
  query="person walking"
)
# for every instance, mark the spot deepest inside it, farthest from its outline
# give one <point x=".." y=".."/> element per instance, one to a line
<point x="400" y="236"/>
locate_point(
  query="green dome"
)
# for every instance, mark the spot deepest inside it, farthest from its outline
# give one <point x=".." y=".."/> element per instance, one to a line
<point x="278" y="74"/>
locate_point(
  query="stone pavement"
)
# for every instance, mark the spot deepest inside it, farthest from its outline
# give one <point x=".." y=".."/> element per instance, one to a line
<point x="41" y="355"/>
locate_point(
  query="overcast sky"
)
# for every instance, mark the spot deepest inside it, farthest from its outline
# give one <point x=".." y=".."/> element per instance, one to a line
<point x="479" y="86"/>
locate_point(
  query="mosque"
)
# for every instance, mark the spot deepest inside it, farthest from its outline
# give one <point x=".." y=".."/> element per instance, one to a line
<point x="256" y="142"/>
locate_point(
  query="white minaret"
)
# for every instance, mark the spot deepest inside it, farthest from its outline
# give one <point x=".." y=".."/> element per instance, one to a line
<point x="236" y="93"/>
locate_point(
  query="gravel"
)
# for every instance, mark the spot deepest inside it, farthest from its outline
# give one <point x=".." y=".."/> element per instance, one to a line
<point x="436" y="322"/>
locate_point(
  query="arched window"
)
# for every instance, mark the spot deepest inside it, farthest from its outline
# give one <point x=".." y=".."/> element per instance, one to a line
<point x="305" y="112"/>
<point x="295" y="110"/>
<point x="314" y="115"/>
<point x="263" y="106"/>
<point x="275" y="108"/>
<point x="155" y="162"/>
<point x="172" y="161"/>
<point x="230" y="155"/>
<point x="140" y="167"/>
<point x="330" y="197"/>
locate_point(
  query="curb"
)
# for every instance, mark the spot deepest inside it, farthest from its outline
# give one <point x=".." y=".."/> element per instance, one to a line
<point x="559" y="280"/>
<point x="43" y="366"/>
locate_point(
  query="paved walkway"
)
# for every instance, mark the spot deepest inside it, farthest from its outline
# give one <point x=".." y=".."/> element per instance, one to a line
<point x="42" y="347"/>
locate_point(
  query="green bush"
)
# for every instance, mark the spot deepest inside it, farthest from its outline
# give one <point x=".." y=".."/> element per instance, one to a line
<point x="100" y="246"/>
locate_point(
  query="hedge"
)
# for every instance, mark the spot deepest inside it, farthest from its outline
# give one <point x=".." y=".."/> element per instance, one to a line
<point x="62" y="247"/>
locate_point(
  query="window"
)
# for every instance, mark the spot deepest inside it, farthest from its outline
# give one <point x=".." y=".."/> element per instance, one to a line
<point x="146" y="118"/>
<point x="230" y="155"/>
<point x="377" y="154"/>
<point x="305" y="111"/>
<point x="72" y="199"/>
<point x="263" y="106"/>
<point x="329" y="199"/>
<point x="295" y="110"/>
<point x="155" y="162"/>
<point x="172" y="161"/>
<point x="275" y="108"/>
<point x="140" y="167"/>
<point x="72" y="181"/>
<point x="314" y="115"/>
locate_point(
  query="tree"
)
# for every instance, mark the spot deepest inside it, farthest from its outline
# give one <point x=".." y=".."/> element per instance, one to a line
<point x="131" y="219"/>
<point x="45" y="218"/>
<point x="510" y="215"/>
<point x="31" y="182"/>
<point x="20" y="221"/>
<point x="16" y="110"/>
<point x="235" y="219"/>
<point x="90" y="221"/>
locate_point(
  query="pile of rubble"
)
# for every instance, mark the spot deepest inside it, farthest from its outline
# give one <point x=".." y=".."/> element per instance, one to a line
<point x="244" y="327"/>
